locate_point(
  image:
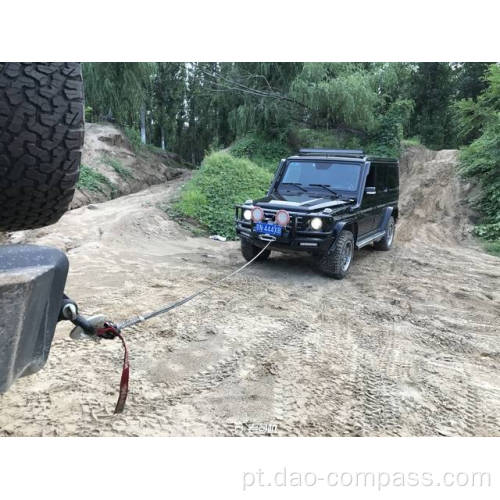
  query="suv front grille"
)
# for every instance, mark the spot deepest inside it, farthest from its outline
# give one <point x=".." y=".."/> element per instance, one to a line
<point x="301" y="221"/>
<point x="298" y="223"/>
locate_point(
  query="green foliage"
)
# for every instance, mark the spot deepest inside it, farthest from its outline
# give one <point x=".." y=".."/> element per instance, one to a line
<point x="88" y="113"/>
<point x="258" y="95"/>
<point x="473" y="115"/>
<point x="411" y="141"/>
<point x="194" y="107"/>
<point x="323" y="138"/>
<point x="386" y="141"/>
<point x="481" y="161"/>
<point x="492" y="247"/>
<point x="134" y="137"/>
<point x="478" y="120"/>
<point x="470" y="79"/>
<point x="92" y="180"/>
<point x="264" y="152"/>
<point x="336" y="98"/>
<point x="168" y="96"/>
<point x="432" y="90"/>
<point x="469" y="120"/>
<point x="221" y="181"/>
<point x="117" y="166"/>
<point x="116" y="91"/>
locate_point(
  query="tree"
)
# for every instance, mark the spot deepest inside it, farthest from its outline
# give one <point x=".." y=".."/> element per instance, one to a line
<point x="432" y="91"/>
<point x="473" y="115"/>
<point x="471" y="79"/>
<point x="117" y="91"/>
<point x="168" y="100"/>
<point x="336" y="96"/>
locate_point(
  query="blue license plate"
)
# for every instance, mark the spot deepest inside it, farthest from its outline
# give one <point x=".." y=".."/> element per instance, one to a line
<point x="264" y="228"/>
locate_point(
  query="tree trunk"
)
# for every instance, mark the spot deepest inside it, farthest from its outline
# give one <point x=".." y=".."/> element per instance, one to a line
<point x="143" y="124"/>
<point x="163" y="138"/>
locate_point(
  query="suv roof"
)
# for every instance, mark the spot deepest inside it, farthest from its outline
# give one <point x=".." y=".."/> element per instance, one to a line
<point x="345" y="154"/>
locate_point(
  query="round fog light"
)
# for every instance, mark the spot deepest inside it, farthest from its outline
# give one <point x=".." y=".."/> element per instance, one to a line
<point x="257" y="214"/>
<point x="247" y="214"/>
<point x="316" y="223"/>
<point x="282" y="218"/>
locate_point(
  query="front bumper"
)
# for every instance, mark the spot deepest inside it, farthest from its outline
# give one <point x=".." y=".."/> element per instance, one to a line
<point x="296" y="237"/>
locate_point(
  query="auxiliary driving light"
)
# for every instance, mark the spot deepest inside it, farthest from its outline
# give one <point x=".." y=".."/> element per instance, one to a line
<point x="282" y="218"/>
<point x="257" y="214"/>
<point x="316" y="223"/>
<point x="247" y="214"/>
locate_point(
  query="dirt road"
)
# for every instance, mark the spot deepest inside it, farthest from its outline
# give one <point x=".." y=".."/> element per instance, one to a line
<point x="407" y="345"/>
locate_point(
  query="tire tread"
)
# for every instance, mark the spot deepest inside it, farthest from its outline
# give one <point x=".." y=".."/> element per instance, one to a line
<point x="41" y="139"/>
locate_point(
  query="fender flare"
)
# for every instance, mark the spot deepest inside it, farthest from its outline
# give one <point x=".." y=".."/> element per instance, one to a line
<point x="385" y="218"/>
<point x="337" y="229"/>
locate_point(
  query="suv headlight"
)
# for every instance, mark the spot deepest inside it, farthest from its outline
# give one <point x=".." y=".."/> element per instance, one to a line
<point x="316" y="223"/>
<point x="247" y="214"/>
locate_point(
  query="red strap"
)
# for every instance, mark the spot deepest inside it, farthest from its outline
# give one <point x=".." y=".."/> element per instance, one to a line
<point x="122" y="398"/>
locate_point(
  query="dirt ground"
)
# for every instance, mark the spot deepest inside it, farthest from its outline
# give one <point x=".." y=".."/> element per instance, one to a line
<point x="407" y="345"/>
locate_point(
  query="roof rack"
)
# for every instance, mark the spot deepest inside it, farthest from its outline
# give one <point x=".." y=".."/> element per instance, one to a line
<point x="354" y="153"/>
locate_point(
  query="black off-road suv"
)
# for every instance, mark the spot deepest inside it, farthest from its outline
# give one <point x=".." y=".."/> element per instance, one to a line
<point x="325" y="202"/>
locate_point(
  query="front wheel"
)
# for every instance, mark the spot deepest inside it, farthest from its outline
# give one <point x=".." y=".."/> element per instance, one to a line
<point x="249" y="251"/>
<point x="337" y="261"/>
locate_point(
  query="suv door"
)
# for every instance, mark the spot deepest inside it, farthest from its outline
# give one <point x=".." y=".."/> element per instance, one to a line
<point x="366" y="221"/>
<point x="383" y="196"/>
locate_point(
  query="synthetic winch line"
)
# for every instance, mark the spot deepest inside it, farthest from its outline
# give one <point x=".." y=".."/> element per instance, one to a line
<point x="139" y="319"/>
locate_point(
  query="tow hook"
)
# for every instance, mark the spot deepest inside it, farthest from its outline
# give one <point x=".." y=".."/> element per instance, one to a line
<point x="267" y="237"/>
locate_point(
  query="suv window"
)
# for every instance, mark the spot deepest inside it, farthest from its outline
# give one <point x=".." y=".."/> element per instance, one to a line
<point x="392" y="177"/>
<point x="341" y="176"/>
<point x="370" y="178"/>
<point x="381" y="177"/>
<point x="384" y="176"/>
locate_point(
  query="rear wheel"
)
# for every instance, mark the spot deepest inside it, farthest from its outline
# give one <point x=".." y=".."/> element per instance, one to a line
<point x="337" y="261"/>
<point x="386" y="242"/>
<point x="41" y="137"/>
<point x="249" y="251"/>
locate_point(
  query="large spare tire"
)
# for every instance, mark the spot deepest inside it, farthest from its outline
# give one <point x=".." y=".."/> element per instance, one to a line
<point x="41" y="138"/>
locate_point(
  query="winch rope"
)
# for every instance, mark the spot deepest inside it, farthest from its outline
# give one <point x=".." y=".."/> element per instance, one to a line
<point x="139" y="319"/>
<point x="111" y="330"/>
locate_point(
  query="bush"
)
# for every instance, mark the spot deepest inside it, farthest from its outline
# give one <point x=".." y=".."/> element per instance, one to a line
<point x="492" y="247"/>
<point x="221" y="181"/>
<point x="388" y="136"/>
<point x="134" y="137"/>
<point x="117" y="166"/>
<point x="411" y="141"/>
<point x="92" y="180"/>
<point x="481" y="161"/>
<point x="265" y="153"/>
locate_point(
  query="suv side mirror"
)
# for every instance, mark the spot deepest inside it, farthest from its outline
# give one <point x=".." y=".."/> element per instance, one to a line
<point x="370" y="190"/>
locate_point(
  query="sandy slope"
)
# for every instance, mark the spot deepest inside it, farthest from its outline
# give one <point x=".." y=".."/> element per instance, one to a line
<point x="407" y="345"/>
<point x="106" y="145"/>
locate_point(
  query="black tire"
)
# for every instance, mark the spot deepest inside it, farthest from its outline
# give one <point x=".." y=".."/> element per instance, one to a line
<point x="386" y="242"/>
<point x="249" y="251"/>
<point x="41" y="138"/>
<point x="337" y="261"/>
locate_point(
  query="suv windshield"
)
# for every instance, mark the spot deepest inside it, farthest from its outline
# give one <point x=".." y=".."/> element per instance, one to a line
<point x="337" y="175"/>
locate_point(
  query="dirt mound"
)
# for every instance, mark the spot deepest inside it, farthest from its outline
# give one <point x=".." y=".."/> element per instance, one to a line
<point x="108" y="152"/>
<point x="432" y="198"/>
